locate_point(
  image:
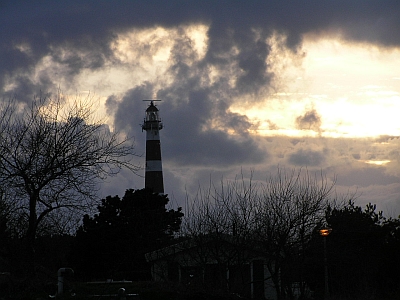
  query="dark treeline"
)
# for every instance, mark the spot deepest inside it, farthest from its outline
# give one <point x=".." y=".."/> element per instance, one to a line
<point x="281" y="221"/>
<point x="362" y="249"/>
<point x="111" y="244"/>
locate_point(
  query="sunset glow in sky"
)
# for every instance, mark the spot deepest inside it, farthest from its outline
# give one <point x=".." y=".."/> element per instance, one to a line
<point x="354" y="88"/>
<point x="245" y="86"/>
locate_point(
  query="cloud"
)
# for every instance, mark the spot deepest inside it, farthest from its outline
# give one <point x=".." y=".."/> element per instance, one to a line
<point x="306" y="157"/>
<point x="200" y="58"/>
<point x="363" y="177"/>
<point x="79" y="35"/>
<point x="311" y="120"/>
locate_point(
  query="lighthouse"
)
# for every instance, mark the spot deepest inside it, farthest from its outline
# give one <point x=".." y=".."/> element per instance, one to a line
<point x="152" y="125"/>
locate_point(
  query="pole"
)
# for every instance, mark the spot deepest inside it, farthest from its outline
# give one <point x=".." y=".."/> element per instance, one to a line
<point x="326" y="270"/>
<point x="60" y="274"/>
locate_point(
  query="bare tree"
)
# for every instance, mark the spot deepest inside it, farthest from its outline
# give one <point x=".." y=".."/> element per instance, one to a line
<point x="219" y="225"/>
<point x="292" y="204"/>
<point x="53" y="153"/>
<point x="271" y="220"/>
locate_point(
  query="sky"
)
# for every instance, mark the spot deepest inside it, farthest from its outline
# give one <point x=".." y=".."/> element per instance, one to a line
<point x="246" y="86"/>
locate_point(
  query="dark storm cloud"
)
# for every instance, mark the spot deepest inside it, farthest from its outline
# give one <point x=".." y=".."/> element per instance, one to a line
<point x="252" y="53"/>
<point x="33" y="30"/>
<point x="310" y="120"/>
<point x="87" y="28"/>
<point x="307" y="157"/>
<point x="130" y="111"/>
<point x="190" y="107"/>
<point x="366" y="176"/>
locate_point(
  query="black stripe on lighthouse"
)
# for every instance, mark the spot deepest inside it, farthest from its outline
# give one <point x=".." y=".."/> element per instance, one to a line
<point x="154" y="176"/>
<point x="153" y="150"/>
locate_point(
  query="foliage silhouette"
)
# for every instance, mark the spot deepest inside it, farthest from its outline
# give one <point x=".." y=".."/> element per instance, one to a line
<point x="112" y="243"/>
<point x="361" y="252"/>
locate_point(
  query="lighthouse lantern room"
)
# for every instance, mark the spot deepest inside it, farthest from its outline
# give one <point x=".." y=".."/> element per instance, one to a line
<point x="152" y="125"/>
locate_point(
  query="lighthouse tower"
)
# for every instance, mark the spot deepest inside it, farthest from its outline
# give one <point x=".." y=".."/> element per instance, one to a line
<point x="152" y="125"/>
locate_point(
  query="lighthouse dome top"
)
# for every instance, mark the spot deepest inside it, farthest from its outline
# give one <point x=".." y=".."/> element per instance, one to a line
<point x="151" y="107"/>
<point x="152" y="117"/>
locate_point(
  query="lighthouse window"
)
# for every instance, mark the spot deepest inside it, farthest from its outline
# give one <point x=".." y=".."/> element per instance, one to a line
<point x="152" y="116"/>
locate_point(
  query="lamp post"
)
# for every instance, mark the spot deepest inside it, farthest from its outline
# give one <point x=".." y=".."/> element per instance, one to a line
<point x="324" y="232"/>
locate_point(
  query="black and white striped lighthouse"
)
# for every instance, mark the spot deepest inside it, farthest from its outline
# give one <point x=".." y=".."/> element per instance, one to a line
<point x="152" y="124"/>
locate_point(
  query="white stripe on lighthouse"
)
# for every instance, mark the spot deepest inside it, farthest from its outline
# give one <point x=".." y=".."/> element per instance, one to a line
<point x="153" y="165"/>
<point x="152" y="135"/>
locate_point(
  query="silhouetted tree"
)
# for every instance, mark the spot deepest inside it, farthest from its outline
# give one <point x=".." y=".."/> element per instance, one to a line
<point x="52" y="153"/>
<point x="113" y="242"/>
<point x="355" y="249"/>
<point x="219" y="225"/>
<point x="5" y="236"/>
<point x="292" y="204"/>
<point x="388" y="275"/>
<point x="361" y="252"/>
<point x="275" y="218"/>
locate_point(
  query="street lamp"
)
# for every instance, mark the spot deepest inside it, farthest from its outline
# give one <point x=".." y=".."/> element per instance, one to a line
<point x="324" y="232"/>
